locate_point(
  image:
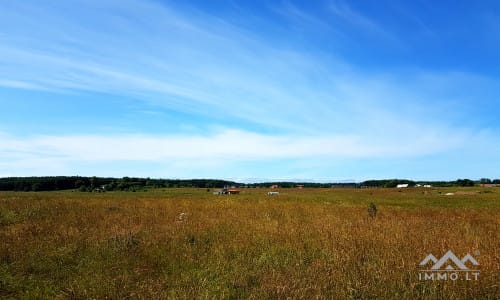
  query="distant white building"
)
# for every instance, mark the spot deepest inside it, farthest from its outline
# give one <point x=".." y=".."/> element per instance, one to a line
<point x="273" y="193"/>
<point x="402" y="185"/>
<point x="425" y="185"/>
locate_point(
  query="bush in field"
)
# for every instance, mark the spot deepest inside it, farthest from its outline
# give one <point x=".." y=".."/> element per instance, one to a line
<point x="83" y="188"/>
<point x="372" y="210"/>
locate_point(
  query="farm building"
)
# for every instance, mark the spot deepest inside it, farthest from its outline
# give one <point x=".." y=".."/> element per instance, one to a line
<point x="300" y="186"/>
<point x="273" y="193"/>
<point x="402" y="185"/>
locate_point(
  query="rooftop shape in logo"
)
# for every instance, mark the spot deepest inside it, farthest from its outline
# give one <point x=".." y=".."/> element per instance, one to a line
<point x="449" y="256"/>
<point x="469" y="257"/>
<point x="448" y="261"/>
<point x="428" y="258"/>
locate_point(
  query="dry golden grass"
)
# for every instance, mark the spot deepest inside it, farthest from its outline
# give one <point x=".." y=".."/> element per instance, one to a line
<point x="301" y="244"/>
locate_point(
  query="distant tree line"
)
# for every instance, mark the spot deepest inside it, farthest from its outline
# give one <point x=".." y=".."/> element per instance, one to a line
<point x="387" y="183"/>
<point x="85" y="184"/>
<point x="290" y="184"/>
<point x="391" y="183"/>
<point x="89" y="184"/>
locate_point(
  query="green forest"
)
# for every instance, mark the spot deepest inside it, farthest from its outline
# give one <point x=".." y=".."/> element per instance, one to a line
<point x="101" y="184"/>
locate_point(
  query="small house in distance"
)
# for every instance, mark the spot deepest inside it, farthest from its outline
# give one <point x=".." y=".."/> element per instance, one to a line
<point x="424" y="186"/>
<point x="275" y="186"/>
<point x="402" y="185"/>
<point x="300" y="186"/>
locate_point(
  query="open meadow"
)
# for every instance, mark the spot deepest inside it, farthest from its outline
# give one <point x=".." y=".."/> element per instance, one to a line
<point x="302" y="244"/>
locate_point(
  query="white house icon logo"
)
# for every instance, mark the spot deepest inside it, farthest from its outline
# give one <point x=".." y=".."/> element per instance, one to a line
<point x="449" y="266"/>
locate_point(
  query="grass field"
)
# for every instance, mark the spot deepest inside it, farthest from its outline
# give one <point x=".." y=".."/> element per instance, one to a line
<point x="189" y="243"/>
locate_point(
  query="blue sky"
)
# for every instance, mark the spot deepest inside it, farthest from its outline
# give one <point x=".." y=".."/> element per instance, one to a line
<point x="250" y="90"/>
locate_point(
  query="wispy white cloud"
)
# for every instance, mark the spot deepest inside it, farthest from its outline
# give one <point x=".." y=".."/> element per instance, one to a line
<point x="194" y="66"/>
<point x="234" y="144"/>
<point x="197" y="63"/>
<point x="16" y="84"/>
<point x="301" y="17"/>
<point x="242" y="154"/>
<point x="363" y="23"/>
